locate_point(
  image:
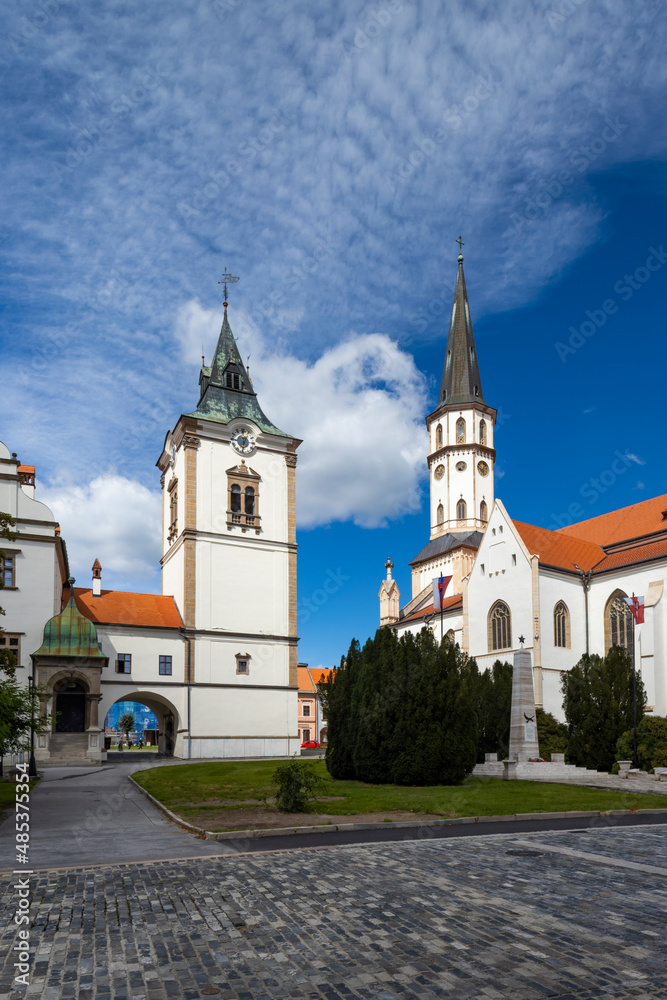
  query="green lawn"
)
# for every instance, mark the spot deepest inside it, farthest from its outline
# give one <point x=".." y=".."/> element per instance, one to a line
<point x="209" y="794"/>
<point x="8" y="793"/>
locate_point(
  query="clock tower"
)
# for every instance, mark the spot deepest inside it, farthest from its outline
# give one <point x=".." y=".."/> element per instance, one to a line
<point x="229" y="559"/>
<point x="461" y="456"/>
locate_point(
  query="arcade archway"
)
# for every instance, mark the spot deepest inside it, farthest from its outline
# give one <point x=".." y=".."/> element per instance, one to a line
<point x="169" y="731"/>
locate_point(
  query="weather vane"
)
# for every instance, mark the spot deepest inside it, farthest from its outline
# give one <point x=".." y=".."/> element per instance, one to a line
<point x="227" y="278"/>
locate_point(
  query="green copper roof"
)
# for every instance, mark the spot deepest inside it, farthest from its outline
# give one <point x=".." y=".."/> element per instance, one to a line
<point x="226" y="389"/>
<point x="70" y="633"/>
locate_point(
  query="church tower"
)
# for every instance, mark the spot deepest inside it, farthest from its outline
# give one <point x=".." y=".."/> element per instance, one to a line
<point x="229" y="559"/>
<point x="461" y="456"/>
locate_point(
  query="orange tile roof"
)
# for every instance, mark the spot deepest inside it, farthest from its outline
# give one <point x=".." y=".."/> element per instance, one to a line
<point x="321" y="674"/>
<point x="555" y="550"/>
<point x="26" y="469"/>
<point x="448" y="604"/>
<point x="118" y="607"/>
<point x="636" y="554"/>
<point x="304" y="679"/>
<point x="635" y="521"/>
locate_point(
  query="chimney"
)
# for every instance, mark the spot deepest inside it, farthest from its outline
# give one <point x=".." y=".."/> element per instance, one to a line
<point x="97" y="578"/>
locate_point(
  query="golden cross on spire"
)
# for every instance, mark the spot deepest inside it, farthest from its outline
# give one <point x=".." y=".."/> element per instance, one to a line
<point x="460" y="243"/>
<point x="227" y="278"/>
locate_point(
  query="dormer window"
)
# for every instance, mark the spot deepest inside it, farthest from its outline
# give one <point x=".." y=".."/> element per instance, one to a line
<point x="232" y="377"/>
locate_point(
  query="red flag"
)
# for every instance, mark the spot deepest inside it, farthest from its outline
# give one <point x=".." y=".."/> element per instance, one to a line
<point x="636" y="605"/>
<point x="440" y="585"/>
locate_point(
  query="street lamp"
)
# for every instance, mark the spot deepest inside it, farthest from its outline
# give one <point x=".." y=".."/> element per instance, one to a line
<point x="32" y="766"/>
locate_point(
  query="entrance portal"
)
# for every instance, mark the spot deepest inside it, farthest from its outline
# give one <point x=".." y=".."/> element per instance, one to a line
<point x="70" y="708"/>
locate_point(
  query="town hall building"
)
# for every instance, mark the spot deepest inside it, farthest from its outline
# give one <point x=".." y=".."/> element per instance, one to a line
<point x="564" y="591"/>
<point x="214" y="656"/>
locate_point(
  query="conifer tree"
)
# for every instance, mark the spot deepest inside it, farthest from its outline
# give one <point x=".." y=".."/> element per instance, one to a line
<point x="598" y="705"/>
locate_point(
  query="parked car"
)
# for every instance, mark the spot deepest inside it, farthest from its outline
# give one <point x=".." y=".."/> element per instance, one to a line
<point x="310" y="744"/>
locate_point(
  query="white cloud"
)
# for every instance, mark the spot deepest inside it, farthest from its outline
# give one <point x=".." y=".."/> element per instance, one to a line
<point x="115" y="520"/>
<point x="635" y="458"/>
<point x="359" y="409"/>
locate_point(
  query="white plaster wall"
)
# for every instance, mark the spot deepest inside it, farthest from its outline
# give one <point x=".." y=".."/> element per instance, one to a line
<point x="453" y="622"/>
<point x="242" y="585"/>
<point x="145" y="646"/>
<point x="215" y="661"/>
<point x="556" y="587"/>
<point x="495" y="577"/>
<point x="250" y="713"/>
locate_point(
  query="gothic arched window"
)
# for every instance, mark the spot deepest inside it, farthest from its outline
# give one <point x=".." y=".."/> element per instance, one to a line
<point x="438" y="436"/>
<point x="483" y="511"/>
<point x="441" y="514"/>
<point x="482" y="432"/>
<point x="619" y="625"/>
<point x="460" y="430"/>
<point x="499" y="627"/>
<point x="562" y="625"/>
<point x="236" y="499"/>
<point x="461" y="510"/>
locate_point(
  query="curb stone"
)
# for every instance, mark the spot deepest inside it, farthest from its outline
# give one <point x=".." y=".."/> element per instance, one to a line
<point x="290" y="831"/>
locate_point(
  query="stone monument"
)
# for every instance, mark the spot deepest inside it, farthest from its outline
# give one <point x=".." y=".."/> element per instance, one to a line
<point x="523" y="720"/>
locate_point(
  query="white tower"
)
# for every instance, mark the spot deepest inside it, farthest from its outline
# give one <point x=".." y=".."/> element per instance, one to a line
<point x="461" y="456"/>
<point x="389" y="597"/>
<point x="229" y="559"/>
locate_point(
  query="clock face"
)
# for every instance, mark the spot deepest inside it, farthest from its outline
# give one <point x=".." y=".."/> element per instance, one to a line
<point x="439" y="471"/>
<point x="482" y="468"/>
<point x="461" y="467"/>
<point x="243" y="441"/>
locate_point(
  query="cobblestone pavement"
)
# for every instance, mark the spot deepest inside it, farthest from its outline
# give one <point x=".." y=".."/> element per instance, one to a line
<point x="423" y="918"/>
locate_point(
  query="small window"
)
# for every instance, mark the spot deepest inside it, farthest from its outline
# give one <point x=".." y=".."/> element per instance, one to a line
<point x="13" y="644"/>
<point x="165" y="666"/>
<point x="460" y="430"/>
<point x="124" y="663"/>
<point x="236" y="498"/>
<point x="499" y="627"/>
<point x="242" y="663"/>
<point x="481" y="567"/>
<point x="483" y="511"/>
<point x="561" y="625"/>
<point x="513" y="560"/>
<point x="306" y="710"/>
<point x="7" y="567"/>
<point x="482" y="432"/>
<point x="441" y="514"/>
<point x="438" y="436"/>
<point x="500" y="529"/>
<point x="461" y="510"/>
<point x="249" y="500"/>
<point x="477" y="390"/>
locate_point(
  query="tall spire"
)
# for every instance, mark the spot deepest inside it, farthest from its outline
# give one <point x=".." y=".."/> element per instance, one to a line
<point x="460" y="376"/>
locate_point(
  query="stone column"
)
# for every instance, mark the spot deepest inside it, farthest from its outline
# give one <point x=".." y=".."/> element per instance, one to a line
<point x="523" y="724"/>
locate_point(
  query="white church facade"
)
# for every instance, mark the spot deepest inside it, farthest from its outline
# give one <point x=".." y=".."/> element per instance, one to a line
<point x="215" y="655"/>
<point x="562" y="590"/>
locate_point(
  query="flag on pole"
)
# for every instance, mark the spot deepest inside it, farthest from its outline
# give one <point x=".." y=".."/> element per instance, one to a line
<point x="636" y="605"/>
<point x="440" y="585"/>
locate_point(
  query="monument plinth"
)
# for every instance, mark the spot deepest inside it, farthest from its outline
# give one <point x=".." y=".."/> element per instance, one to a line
<point x="523" y="720"/>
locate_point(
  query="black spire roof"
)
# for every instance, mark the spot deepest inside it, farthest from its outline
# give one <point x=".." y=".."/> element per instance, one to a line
<point x="460" y="376"/>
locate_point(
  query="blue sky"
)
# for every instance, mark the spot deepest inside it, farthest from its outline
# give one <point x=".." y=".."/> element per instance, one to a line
<point x="329" y="155"/>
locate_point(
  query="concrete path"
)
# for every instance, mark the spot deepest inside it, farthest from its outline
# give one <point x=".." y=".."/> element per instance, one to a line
<point x="90" y="815"/>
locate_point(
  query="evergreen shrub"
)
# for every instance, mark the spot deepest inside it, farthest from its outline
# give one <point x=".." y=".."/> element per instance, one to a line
<point x="651" y="743"/>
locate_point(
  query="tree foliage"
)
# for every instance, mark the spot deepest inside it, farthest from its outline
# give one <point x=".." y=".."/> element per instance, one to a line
<point x="493" y="705"/>
<point x="651" y="743"/>
<point x="402" y="711"/>
<point x="551" y="734"/>
<point x="126" y="723"/>
<point x="297" y="783"/>
<point x="598" y="704"/>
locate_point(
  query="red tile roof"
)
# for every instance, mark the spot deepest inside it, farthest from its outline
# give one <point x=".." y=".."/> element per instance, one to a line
<point x="321" y="674"/>
<point x="635" y="521"/>
<point x="449" y="604"/>
<point x="636" y="554"/>
<point x="118" y="607"/>
<point x="555" y="550"/>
